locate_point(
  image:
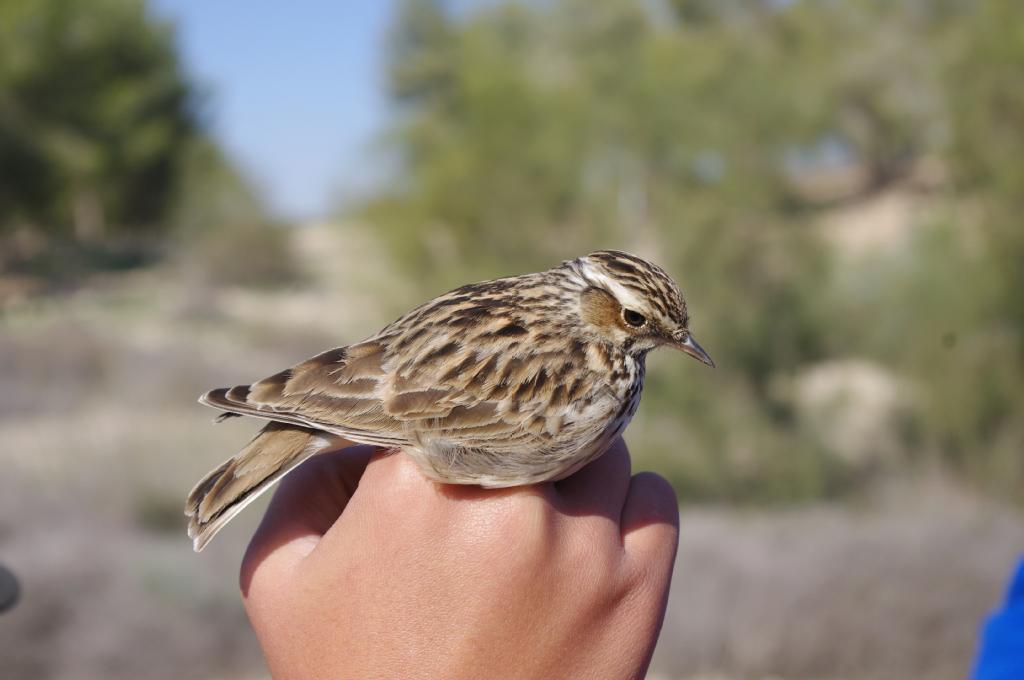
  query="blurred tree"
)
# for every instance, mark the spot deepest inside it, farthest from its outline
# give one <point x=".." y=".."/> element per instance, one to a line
<point x="103" y="159"/>
<point x="712" y="135"/>
<point x="94" y="117"/>
<point x="976" y="415"/>
<point x="530" y="133"/>
<point x="219" y="215"/>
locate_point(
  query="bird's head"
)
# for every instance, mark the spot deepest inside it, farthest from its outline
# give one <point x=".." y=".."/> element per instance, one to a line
<point x="634" y="304"/>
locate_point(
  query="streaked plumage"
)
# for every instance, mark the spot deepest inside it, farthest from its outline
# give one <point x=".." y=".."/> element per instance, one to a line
<point x="501" y="383"/>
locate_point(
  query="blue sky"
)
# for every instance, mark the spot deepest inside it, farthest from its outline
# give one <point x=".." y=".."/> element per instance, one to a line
<point x="296" y="91"/>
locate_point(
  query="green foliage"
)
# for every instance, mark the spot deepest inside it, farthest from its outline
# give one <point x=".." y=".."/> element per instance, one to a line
<point x="695" y="132"/>
<point x="103" y="163"/>
<point x="979" y="394"/>
<point x="93" y="115"/>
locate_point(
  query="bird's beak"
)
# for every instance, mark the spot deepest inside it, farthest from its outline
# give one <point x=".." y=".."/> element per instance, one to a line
<point x="685" y="342"/>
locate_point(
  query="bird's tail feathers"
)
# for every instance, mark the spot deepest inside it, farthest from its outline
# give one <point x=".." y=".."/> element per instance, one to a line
<point x="275" y="450"/>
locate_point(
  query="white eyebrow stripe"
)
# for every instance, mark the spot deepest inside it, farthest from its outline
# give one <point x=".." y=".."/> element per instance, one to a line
<point x="625" y="296"/>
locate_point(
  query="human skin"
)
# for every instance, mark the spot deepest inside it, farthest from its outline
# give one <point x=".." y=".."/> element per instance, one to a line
<point x="420" y="580"/>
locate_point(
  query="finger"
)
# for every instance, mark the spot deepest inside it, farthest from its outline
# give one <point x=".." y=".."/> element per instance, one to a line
<point x="305" y="505"/>
<point x="391" y="471"/>
<point x="394" y="492"/>
<point x="324" y="486"/>
<point x="388" y="474"/>
<point x="650" y="523"/>
<point x="599" y="488"/>
<point x="394" y="478"/>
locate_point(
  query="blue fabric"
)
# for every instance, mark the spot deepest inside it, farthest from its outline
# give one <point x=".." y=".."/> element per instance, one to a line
<point x="1001" y="656"/>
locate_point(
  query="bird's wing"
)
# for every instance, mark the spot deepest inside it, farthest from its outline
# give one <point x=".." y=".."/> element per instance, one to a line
<point x="337" y="391"/>
<point x="461" y="391"/>
<point x="481" y="392"/>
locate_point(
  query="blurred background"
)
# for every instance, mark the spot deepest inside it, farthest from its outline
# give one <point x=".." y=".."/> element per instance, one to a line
<point x="197" y="194"/>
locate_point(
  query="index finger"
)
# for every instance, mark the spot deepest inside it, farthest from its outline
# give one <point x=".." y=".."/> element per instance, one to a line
<point x="305" y="505"/>
<point x="600" y="487"/>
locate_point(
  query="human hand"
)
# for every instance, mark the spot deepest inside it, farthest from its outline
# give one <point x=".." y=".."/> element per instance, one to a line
<point x="420" y="580"/>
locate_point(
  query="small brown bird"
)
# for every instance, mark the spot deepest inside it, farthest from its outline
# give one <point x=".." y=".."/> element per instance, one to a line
<point x="514" y="381"/>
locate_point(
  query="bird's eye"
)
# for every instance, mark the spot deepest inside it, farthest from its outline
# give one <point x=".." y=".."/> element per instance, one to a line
<point x="634" y="319"/>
